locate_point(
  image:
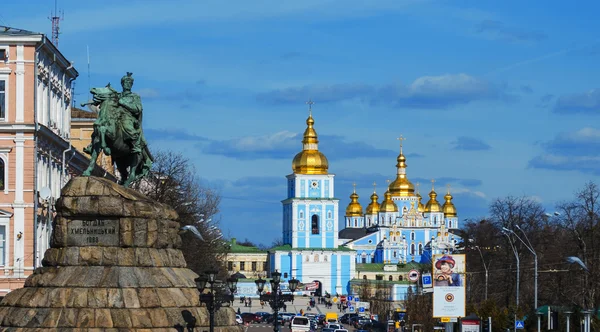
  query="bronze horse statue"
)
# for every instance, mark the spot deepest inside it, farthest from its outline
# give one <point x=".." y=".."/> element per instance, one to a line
<point x="108" y="137"/>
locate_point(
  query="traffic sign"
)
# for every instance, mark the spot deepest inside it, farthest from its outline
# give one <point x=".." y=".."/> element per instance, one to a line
<point x="519" y="324"/>
<point x="356" y="299"/>
<point x="361" y="309"/>
<point x="426" y="279"/>
<point x="350" y="298"/>
<point x="413" y="275"/>
<point x="445" y="319"/>
<point x="335" y="300"/>
<point x="351" y="309"/>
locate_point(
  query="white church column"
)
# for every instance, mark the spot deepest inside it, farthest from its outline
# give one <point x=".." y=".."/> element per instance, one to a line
<point x="338" y="286"/>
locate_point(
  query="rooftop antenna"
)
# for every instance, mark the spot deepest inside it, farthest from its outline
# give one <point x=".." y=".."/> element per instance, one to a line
<point x="56" y="17"/>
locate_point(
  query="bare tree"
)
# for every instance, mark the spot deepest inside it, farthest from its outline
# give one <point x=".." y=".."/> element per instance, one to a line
<point x="173" y="181"/>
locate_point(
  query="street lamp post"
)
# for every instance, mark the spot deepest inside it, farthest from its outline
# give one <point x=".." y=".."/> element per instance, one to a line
<point x="276" y="299"/>
<point x="486" y="271"/>
<point x="518" y="271"/>
<point x="214" y="301"/>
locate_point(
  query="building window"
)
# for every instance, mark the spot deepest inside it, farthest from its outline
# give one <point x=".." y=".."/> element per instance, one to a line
<point x="2" y="245"/>
<point x="301" y="214"/>
<point x="329" y="215"/>
<point x="3" y="99"/>
<point x="412" y="249"/>
<point x="363" y="259"/>
<point x="242" y="266"/>
<point x="379" y="277"/>
<point x="253" y="266"/>
<point x="315" y="224"/>
<point x="394" y="254"/>
<point x="355" y="223"/>
<point x="420" y="249"/>
<point x="412" y="236"/>
<point x="390" y="278"/>
<point x="399" y="278"/>
<point x="2" y="174"/>
<point x="230" y="266"/>
<point x="2" y="55"/>
<point x="285" y="275"/>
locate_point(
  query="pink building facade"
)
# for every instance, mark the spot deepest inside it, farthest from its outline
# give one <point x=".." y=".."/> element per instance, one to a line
<point x="36" y="157"/>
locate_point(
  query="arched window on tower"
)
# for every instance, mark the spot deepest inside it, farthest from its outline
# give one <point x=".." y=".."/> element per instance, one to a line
<point x="412" y="236"/>
<point x="329" y="215"/>
<point x="315" y="224"/>
<point x="412" y="249"/>
<point x="355" y="223"/>
<point x="301" y="214"/>
<point x="420" y="249"/>
<point x="390" y="278"/>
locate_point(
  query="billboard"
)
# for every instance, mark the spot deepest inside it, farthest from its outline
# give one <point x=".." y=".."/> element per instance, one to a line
<point x="448" y="273"/>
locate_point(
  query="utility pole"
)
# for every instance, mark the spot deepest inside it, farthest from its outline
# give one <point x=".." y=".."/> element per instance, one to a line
<point x="56" y="17"/>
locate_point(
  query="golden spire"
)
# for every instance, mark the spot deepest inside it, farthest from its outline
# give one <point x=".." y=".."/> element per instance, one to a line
<point x="310" y="160"/>
<point x="420" y="207"/>
<point x="448" y="208"/>
<point x="373" y="207"/>
<point x="432" y="204"/>
<point x="401" y="186"/>
<point x="388" y="204"/>
<point x="354" y="209"/>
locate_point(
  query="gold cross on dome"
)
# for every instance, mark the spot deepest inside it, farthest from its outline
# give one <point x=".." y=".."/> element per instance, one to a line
<point x="374" y="186"/>
<point x="354" y="185"/>
<point x="310" y="103"/>
<point x="418" y="185"/>
<point x="448" y="186"/>
<point x="432" y="184"/>
<point x="401" y="138"/>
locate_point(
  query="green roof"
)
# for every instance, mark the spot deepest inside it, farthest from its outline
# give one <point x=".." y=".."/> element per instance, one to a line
<point x="235" y="248"/>
<point x="288" y="247"/>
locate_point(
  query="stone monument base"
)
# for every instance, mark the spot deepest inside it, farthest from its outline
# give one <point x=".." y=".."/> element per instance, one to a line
<point x="114" y="265"/>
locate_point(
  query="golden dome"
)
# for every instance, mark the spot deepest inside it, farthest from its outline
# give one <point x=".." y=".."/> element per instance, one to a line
<point x="373" y="207"/>
<point x="401" y="186"/>
<point x="448" y="207"/>
<point x="421" y="207"/>
<point x="310" y="160"/>
<point x="388" y="205"/>
<point x="354" y="209"/>
<point x="433" y="205"/>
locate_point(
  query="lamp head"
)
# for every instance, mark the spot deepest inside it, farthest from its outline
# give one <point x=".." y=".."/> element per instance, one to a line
<point x="232" y="284"/>
<point x="293" y="284"/>
<point x="276" y="277"/>
<point x="201" y="283"/>
<point x="260" y="284"/>
<point x="212" y="274"/>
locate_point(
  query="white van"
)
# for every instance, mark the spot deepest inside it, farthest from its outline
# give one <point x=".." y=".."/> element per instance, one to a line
<point x="300" y="324"/>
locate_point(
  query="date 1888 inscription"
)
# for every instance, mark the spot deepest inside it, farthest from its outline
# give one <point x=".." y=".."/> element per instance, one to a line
<point x="93" y="233"/>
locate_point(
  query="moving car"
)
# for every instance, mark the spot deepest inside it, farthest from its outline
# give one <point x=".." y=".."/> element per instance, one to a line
<point x="249" y="317"/>
<point x="300" y="324"/>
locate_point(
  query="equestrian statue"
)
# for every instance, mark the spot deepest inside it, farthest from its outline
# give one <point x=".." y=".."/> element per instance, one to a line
<point x="118" y="132"/>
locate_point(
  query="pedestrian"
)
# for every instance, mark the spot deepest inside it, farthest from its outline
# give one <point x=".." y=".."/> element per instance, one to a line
<point x="239" y="311"/>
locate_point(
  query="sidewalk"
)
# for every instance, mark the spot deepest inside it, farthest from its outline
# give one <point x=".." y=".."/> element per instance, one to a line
<point x="300" y="302"/>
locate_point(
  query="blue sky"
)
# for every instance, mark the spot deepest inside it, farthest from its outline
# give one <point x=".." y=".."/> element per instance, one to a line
<point x="495" y="98"/>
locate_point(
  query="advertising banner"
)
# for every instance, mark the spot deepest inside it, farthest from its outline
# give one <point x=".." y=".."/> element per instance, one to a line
<point x="449" y="285"/>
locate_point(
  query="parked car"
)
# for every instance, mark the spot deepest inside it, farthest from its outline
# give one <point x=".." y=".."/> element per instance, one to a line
<point x="346" y="317"/>
<point x="287" y="316"/>
<point x="263" y="315"/>
<point x="249" y="317"/>
<point x="373" y="325"/>
<point x="360" y="321"/>
<point x="334" y="326"/>
<point x="238" y="319"/>
<point x="326" y="329"/>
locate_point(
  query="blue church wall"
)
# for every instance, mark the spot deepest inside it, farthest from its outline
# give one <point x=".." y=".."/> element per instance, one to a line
<point x="298" y="271"/>
<point x="334" y="260"/>
<point x="301" y="212"/>
<point x="364" y="241"/>
<point x="285" y="263"/>
<point x="345" y="276"/>
<point x="316" y="241"/>
<point x="326" y="189"/>
<point x="329" y="241"/>
<point x="302" y="187"/>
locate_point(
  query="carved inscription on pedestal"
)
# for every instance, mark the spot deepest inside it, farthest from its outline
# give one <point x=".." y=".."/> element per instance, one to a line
<point x="93" y="233"/>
